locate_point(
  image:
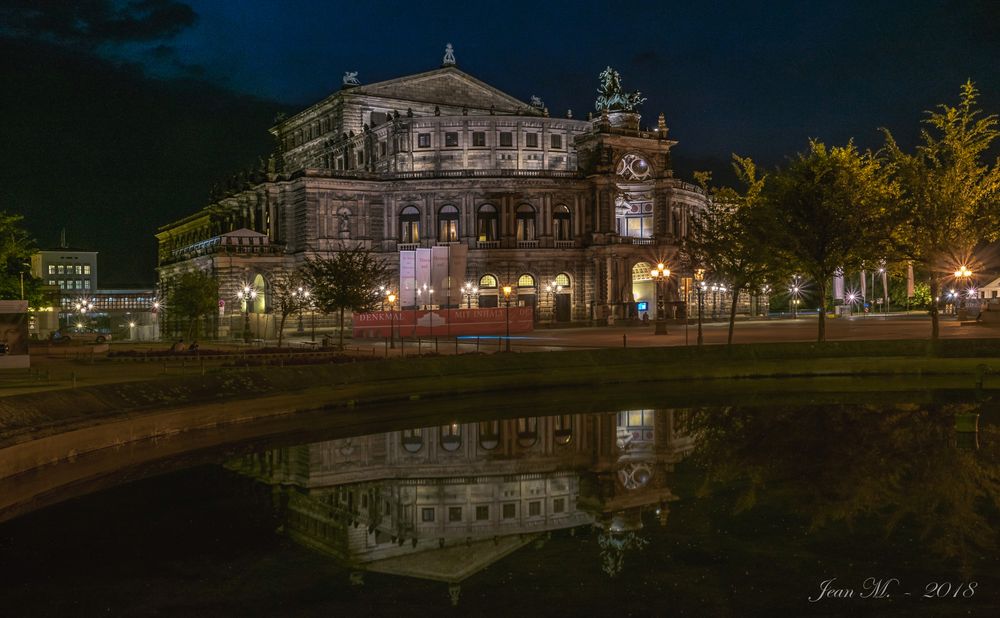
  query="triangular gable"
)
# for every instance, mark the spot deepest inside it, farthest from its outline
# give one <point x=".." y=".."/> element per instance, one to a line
<point x="243" y="232"/>
<point x="445" y="86"/>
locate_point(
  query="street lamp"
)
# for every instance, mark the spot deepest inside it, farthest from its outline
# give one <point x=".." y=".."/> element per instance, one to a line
<point x="793" y="296"/>
<point x="246" y="295"/>
<point x="469" y="290"/>
<point x="506" y="302"/>
<point x="300" y="295"/>
<point x="392" y="318"/>
<point x="660" y="275"/>
<point x="551" y="290"/>
<point x="699" y="277"/>
<point x="963" y="274"/>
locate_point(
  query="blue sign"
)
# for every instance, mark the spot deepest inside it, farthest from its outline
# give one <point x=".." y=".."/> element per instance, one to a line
<point x="642" y="306"/>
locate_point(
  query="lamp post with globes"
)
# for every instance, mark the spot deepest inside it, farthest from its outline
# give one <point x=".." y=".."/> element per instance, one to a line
<point x="552" y="290"/>
<point x="962" y="275"/>
<point x="506" y="301"/>
<point x="246" y="295"/>
<point x="391" y="298"/>
<point x="660" y="275"/>
<point x="699" y="281"/>
<point x="469" y="290"/>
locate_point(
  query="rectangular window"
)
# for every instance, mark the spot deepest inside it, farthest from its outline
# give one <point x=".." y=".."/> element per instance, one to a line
<point x="558" y="505"/>
<point x="52" y="269"/>
<point x="506" y="139"/>
<point x="423" y="140"/>
<point x="534" y="508"/>
<point x="454" y="513"/>
<point x="79" y="269"/>
<point x="557" y="141"/>
<point x="86" y="284"/>
<point x="78" y="284"/>
<point x="482" y="513"/>
<point x="361" y="158"/>
<point x="86" y="269"/>
<point x="451" y="140"/>
<point x="383" y="147"/>
<point x="427" y="514"/>
<point x="509" y="510"/>
<point x="478" y="139"/>
<point x="61" y="269"/>
<point x="531" y="140"/>
<point x="53" y="282"/>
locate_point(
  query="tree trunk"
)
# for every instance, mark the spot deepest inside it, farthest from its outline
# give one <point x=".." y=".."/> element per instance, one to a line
<point x="281" y="328"/>
<point x="821" y="335"/>
<point x="341" y="328"/>
<point x="732" y="315"/>
<point x="935" y="291"/>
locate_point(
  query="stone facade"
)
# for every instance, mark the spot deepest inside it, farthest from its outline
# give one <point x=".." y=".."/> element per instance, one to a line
<point x="441" y="158"/>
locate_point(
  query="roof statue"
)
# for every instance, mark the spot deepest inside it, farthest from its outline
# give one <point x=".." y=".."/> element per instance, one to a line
<point x="449" y="56"/>
<point x="536" y="101"/>
<point x="611" y="97"/>
<point x="351" y="78"/>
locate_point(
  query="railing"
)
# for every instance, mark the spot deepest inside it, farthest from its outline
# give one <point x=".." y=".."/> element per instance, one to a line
<point x="527" y="244"/>
<point x="209" y="248"/>
<point x="407" y="246"/>
<point x="463" y="173"/>
<point x="448" y="243"/>
<point x="487" y="244"/>
<point x="565" y="244"/>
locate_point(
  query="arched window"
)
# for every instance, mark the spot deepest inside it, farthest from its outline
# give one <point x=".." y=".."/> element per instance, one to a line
<point x="561" y="223"/>
<point x="489" y="434"/>
<point x="448" y="224"/>
<point x="526" y="281"/>
<point x="525" y="222"/>
<point x="260" y="298"/>
<point x="409" y="225"/>
<point x="413" y="440"/>
<point x="563" y="429"/>
<point x="487" y="282"/>
<point x="562" y="279"/>
<point x="486" y="223"/>
<point x="527" y="432"/>
<point x="451" y="437"/>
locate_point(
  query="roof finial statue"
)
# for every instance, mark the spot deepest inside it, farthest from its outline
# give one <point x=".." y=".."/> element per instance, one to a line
<point x="612" y="98"/>
<point x="449" y="56"/>
<point x="351" y="78"/>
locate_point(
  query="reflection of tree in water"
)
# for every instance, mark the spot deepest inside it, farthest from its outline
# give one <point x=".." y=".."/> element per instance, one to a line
<point x="848" y="464"/>
<point x="614" y="546"/>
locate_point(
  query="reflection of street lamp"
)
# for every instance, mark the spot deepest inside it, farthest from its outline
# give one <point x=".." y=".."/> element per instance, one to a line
<point x="506" y="302"/>
<point x="246" y="295"/>
<point x="660" y="275"/>
<point x="793" y="296"/>
<point x="963" y="274"/>
<point x="552" y="289"/>
<point x="392" y="318"/>
<point x="699" y="277"/>
<point x="469" y="290"/>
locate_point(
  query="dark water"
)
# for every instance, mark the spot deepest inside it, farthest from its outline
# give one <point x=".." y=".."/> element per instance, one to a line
<point x="735" y="511"/>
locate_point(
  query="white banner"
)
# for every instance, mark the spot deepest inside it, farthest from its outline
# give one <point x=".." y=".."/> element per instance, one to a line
<point x="407" y="278"/>
<point x="838" y="286"/>
<point x="864" y="286"/>
<point x="423" y="273"/>
<point x="439" y="275"/>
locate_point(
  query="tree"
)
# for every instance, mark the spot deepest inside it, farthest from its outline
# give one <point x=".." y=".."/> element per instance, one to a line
<point x="348" y="280"/>
<point x="949" y="199"/>
<point x="16" y="248"/>
<point x="830" y="208"/>
<point x="725" y="238"/>
<point x="192" y="296"/>
<point x="287" y="296"/>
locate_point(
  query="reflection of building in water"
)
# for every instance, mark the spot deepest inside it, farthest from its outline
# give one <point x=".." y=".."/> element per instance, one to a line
<point x="444" y="502"/>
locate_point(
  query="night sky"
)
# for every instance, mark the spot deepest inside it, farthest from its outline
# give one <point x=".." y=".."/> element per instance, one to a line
<point x="120" y="116"/>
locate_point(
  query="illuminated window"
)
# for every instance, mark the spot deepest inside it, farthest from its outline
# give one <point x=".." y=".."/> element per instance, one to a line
<point x="62" y="269"/>
<point x="86" y="269"/>
<point x="52" y="269"/>
<point x="487" y="281"/>
<point x="86" y="284"/>
<point x="563" y="430"/>
<point x="486" y="223"/>
<point x="525" y="217"/>
<point x="409" y="225"/>
<point x="448" y="224"/>
<point x="424" y="140"/>
<point x="562" y="279"/>
<point x="525" y="281"/>
<point x="451" y="437"/>
<point x="478" y="139"/>
<point x="489" y="434"/>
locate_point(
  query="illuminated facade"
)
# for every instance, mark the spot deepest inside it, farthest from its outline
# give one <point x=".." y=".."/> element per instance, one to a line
<point x="569" y="211"/>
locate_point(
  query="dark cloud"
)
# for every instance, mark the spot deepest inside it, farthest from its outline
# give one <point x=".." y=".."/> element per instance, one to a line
<point x="91" y="23"/>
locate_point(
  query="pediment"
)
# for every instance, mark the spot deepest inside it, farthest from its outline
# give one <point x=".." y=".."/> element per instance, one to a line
<point x="446" y="86"/>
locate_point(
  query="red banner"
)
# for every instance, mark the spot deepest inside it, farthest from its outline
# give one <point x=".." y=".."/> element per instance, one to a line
<point x="444" y="322"/>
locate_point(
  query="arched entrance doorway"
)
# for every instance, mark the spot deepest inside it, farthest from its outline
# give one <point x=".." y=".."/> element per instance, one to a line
<point x="643" y="290"/>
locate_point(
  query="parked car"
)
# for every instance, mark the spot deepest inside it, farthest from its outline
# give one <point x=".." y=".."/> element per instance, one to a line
<point x="81" y="334"/>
